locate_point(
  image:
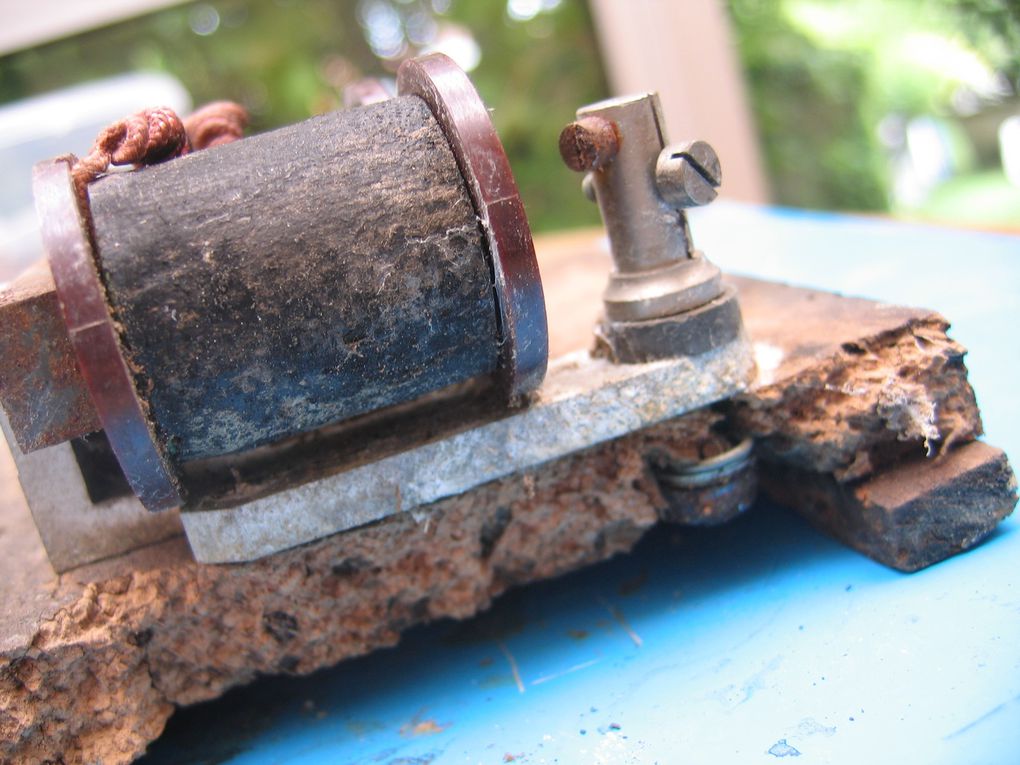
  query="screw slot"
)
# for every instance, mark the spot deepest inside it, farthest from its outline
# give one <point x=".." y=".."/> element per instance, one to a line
<point x="688" y="175"/>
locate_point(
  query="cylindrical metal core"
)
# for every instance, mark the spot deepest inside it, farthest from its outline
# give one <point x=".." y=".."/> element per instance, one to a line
<point x="297" y="278"/>
<point x="262" y="289"/>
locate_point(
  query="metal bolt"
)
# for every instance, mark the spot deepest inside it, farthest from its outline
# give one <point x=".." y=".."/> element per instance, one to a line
<point x="688" y="174"/>
<point x="589" y="144"/>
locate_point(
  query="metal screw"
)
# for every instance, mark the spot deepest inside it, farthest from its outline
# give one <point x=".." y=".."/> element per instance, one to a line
<point x="688" y="174"/>
<point x="589" y="144"/>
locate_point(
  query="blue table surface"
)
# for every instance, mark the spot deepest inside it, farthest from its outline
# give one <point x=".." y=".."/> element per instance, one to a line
<point x="752" y="642"/>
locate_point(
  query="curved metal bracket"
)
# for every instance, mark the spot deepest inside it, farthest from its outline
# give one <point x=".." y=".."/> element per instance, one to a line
<point x="96" y="341"/>
<point x="458" y="109"/>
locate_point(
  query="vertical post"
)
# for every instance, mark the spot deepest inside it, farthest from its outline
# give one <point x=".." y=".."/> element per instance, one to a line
<point x="683" y="49"/>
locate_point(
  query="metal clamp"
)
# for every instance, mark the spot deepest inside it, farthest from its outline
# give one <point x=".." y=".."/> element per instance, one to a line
<point x="96" y="341"/>
<point x="664" y="298"/>
<point x="462" y="115"/>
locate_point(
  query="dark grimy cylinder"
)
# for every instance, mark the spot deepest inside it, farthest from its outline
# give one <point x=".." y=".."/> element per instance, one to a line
<point x="296" y="278"/>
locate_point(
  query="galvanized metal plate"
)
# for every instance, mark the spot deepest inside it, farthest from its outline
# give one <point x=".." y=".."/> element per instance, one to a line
<point x="74" y="530"/>
<point x="583" y="402"/>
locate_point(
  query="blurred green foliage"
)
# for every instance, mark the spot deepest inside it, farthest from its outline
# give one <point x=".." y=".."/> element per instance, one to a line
<point x="823" y="75"/>
<point x="810" y="103"/>
<point x="289" y="59"/>
<point x="534" y="75"/>
<point x="992" y="26"/>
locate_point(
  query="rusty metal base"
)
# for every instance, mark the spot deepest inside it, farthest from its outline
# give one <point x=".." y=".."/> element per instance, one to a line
<point x="583" y="402"/>
<point x="153" y="629"/>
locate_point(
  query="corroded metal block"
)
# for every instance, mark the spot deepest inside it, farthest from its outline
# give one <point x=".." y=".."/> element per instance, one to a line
<point x="912" y="515"/>
<point x="40" y="386"/>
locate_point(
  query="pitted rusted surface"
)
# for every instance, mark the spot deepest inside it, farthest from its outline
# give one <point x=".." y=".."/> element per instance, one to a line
<point x="41" y="388"/>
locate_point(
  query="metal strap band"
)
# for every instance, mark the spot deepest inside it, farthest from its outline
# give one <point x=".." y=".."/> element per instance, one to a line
<point x="96" y="341"/>
<point x="455" y="104"/>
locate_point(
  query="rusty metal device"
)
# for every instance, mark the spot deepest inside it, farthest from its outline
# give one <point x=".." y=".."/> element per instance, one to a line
<point x="212" y="359"/>
<point x="664" y="298"/>
<point x="305" y="331"/>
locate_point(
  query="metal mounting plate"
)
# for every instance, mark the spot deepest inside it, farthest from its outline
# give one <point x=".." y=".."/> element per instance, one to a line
<point x="584" y="401"/>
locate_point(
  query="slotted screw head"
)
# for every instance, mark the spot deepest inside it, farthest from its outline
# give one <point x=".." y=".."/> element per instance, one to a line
<point x="589" y="144"/>
<point x="688" y="174"/>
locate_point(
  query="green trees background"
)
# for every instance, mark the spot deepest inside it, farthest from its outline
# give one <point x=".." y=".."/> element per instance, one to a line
<point x="289" y="59"/>
<point x="822" y="76"/>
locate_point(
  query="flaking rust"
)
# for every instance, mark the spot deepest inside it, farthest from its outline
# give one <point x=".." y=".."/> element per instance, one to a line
<point x="918" y="512"/>
<point x="155" y="629"/>
<point x="40" y="385"/>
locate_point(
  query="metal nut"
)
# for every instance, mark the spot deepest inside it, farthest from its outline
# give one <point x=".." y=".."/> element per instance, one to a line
<point x="688" y="174"/>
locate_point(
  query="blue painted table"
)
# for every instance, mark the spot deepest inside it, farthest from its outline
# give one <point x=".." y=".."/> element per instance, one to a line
<point x="752" y="642"/>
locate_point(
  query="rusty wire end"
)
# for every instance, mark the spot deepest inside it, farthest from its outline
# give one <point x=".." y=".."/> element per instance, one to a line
<point x="589" y="144"/>
<point x="155" y="135"/>
<point x="145" y="138"/>
<point x="217" y="123"/>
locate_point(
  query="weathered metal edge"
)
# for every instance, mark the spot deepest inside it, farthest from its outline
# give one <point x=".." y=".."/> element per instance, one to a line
<point x="583" y="402"/>
<point x="462" y="115"/>
<point x="96" y="341"/>
<point x="73" y="530"/>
